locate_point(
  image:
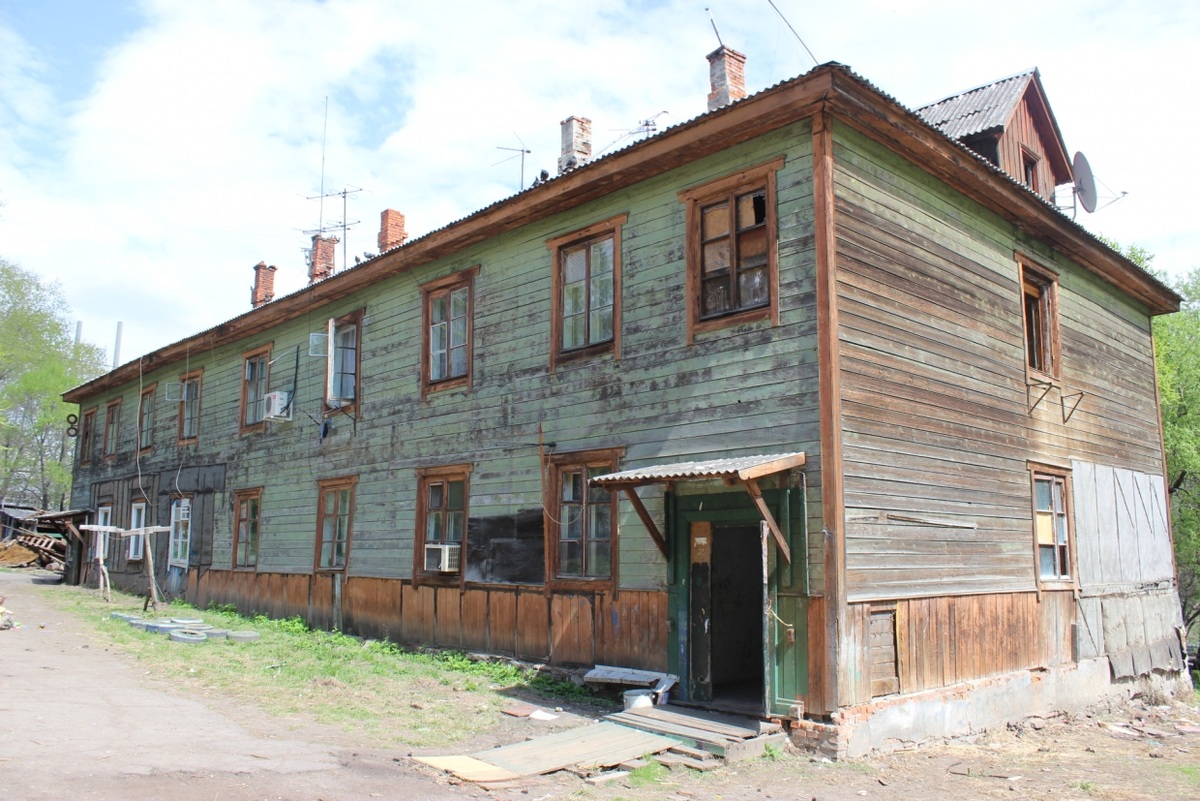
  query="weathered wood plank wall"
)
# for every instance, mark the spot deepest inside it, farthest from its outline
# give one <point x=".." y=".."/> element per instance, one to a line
<point x="1021" y="135"/>
<point x="567" y="629"/>
<point x="935" y="400"/>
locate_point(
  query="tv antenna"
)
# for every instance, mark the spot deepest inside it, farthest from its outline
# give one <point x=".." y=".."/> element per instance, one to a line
<point x="521" y="151"/>
<point x="713" y="20"/>
<point x="790" y="28"/>
<point x="646" y="126"/>
<point x="345" y="224"/>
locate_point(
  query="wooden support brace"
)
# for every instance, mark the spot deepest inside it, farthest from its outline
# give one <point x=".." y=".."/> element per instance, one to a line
<point x="756" y="496"/>
<point x="648" y="521"/>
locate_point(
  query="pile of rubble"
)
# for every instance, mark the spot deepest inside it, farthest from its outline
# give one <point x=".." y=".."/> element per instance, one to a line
<point x="26" y="550"/>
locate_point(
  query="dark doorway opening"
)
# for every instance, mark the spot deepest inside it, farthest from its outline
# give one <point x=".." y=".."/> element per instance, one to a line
<point x="737" y="617"/>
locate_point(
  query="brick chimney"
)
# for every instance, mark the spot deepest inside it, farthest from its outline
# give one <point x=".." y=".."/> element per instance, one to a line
<point x="391" y="230"/>
<point x="263" y="290"/>
<point x="576" y="143"/>
<point x="320" y="260"/>
<point x="726" y="74"/>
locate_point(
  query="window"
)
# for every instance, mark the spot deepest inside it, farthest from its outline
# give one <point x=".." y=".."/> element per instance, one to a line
<point x="335" y="518"/>
<point x="181" y="533"/>
<point x="245" y="530"/>
<point x="1029" y="164"/>
<point x="137" y="519"/>
<point x="100" y="542"/>
<point x="583" y="531"/>
<point x="341" y="365"/>
<point x="1052" y="527"/>
<point x="87" y="436"/>
<point x="189" y="408"/>
<point x="146" y="420"/>
<point x="112" y="428"/>
<point x="446" y="356"/>
<point x="1039" y="294"/>
<point x="586" y="302"/>
<point x="255" y="366"/>
<point x="442" y="521"/>
<point x="731" y="250"/>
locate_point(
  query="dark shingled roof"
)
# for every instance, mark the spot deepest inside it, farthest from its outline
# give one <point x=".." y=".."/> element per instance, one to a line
<point x="985" y="108"/>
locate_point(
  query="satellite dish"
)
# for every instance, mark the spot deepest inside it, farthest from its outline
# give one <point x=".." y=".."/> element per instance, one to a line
<point x="1085" y="183"/>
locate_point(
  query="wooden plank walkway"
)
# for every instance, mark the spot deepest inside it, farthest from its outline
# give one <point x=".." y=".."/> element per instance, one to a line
<point x="597" y="745"/>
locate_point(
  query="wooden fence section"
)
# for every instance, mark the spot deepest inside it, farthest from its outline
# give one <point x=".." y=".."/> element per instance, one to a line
<point x="581" y="629"/>
<point x="948" y="640"/>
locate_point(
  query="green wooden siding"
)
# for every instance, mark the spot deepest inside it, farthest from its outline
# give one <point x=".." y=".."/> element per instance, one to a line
<point x="743" y="390"/>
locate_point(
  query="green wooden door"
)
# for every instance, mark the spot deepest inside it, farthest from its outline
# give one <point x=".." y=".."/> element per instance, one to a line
<point x="784" y="596"/>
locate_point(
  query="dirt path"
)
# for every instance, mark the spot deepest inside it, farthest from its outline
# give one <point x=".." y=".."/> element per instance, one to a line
<point x="78" y="722"/>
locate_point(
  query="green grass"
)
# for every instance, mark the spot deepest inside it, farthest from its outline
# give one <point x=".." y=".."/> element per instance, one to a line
<point x="1191" y="773"/>
<point x="653" y="773"/>
<point x="385" y="693"/>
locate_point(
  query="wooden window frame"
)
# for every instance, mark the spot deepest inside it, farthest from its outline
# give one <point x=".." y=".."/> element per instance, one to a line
<point x="141" y="539"/>
<point x="110" y="421"/>
<point x="426" y="476"/>
<point x="263" y="351"/>
<point x="87" y="436"/>
<point x="102" y="536"/>
<point x="147" y="392"/>
<point x="1044" y="279"/>
<point x="356" y="318"/>
<point x="558" y="246"/>
<point x="430" y="290"/>
<point x="558" y="463"/>
<point x="334" y="485"/>
<point x="252" y="494"/>
<point x="1029" y="169"/>
<point x="1043" y="470"/>
<point x="749" y="179"/>
<point x="191" y="499"/>
<point x="198" y="377"/>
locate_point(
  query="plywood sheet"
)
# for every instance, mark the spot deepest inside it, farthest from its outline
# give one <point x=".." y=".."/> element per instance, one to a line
<point x="469" y="768"/>
<point x="597" y="745"/>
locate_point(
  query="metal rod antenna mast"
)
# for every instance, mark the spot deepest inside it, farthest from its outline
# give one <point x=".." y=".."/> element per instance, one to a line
<point x="324" y="135"/>
<point x="522" y="151"/>
<point x="713" y="20"/>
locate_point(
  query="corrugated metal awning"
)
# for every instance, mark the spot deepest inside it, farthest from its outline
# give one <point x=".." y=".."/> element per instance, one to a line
<point x="745" y="470"/>
<point x="741" y="468"/>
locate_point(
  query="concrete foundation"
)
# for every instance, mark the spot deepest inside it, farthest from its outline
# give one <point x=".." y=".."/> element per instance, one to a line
<point x="904" y="721"/>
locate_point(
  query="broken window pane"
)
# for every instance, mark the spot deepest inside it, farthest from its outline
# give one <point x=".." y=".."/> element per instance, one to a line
<point x="752" y="209"/>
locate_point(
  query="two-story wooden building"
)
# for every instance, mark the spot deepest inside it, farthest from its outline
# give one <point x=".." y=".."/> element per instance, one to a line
<point x="802" y="400"/>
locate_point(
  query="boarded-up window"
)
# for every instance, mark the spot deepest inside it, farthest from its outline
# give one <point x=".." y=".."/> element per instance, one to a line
<point x="507" y="549"/>
<point x="885" y="679"/>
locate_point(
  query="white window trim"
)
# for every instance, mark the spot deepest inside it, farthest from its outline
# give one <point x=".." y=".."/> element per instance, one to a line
<point x="100" y="544"/>
<point x="180" y="544"/>
<point x="137" y="541"/>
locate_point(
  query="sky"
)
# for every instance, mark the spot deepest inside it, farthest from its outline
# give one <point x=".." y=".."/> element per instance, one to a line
<point x="152" y="152"/>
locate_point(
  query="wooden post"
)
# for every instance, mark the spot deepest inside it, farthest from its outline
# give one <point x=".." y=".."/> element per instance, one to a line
<point x="152" y="598"/>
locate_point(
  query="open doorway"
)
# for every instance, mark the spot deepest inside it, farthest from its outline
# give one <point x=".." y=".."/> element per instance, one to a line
<point x="727" y="616"/>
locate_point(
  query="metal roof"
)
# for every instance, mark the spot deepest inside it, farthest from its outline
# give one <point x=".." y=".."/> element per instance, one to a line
<point x="977" y="110"/>
<point x="742" y="467"/>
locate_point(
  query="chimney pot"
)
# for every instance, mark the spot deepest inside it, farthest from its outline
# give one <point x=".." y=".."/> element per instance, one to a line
<point x="391" y="230"/>
<point x="264" y="285"/>
<point x="576" y="143"/>
<point x="726" y="75"/>
<point x="320" y="260"/>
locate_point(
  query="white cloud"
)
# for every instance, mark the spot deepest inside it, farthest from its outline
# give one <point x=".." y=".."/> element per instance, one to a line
<point x="190" y="159"/>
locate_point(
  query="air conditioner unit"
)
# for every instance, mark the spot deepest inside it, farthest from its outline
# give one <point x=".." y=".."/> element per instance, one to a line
<point x="276" y="406"/>
<point x="442" y="558"/>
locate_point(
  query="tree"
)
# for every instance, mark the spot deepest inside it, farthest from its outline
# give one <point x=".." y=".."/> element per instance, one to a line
<point x="1177" y="348"/>
<point x="38" y="362"/>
